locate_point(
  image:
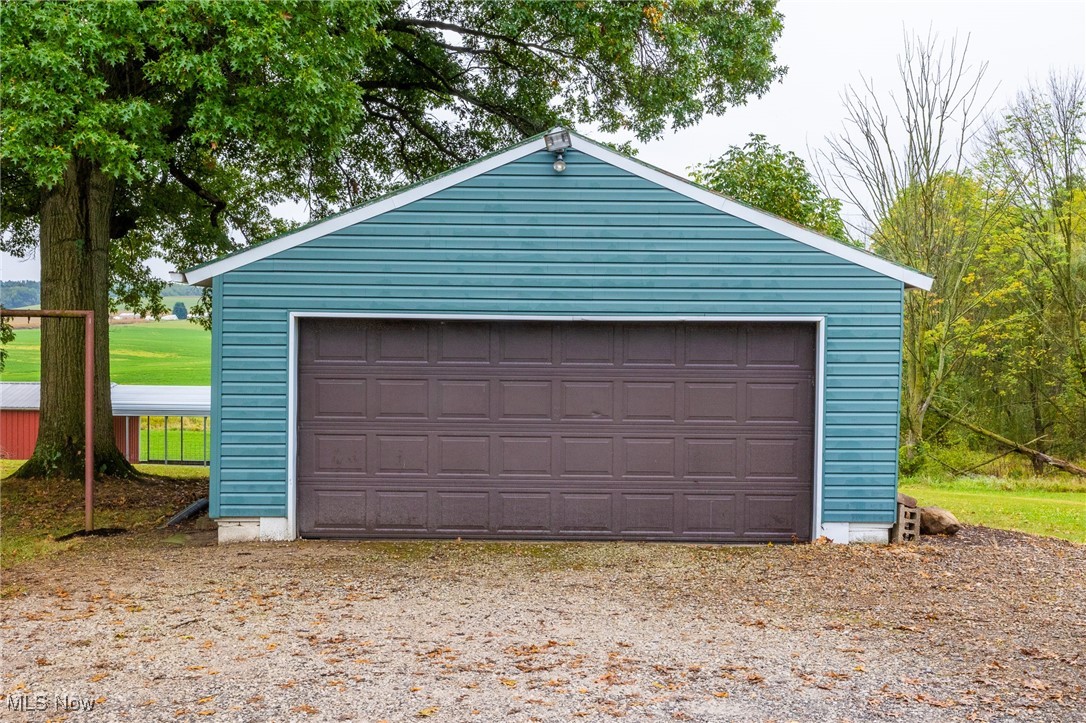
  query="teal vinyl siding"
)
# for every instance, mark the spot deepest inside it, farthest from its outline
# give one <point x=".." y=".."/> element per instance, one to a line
<point x="595" y="240"/>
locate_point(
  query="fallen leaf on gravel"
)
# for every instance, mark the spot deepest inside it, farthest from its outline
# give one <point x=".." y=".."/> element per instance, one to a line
<point x="98" y="676"/>
<point x="307" y="709"/>
<point x="721" y="694"/>
<point x="509" y="682"/>
<point x="427" y="712"/>
<point x="1037" y="653"/>
<point x="206" y="699"/>
<point x="754" y="678"/>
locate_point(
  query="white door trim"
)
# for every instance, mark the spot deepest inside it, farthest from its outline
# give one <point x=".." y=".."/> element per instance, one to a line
<point x="294" y="317"/>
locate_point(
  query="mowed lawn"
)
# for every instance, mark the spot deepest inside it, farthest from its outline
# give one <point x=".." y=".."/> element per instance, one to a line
<point x="155" y="352"/>
<point x="1055" y="507"/>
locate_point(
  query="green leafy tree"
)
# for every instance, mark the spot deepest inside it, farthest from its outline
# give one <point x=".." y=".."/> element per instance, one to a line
<point x="135" y="129"/>
<point x="765" y="176"/>
<point x="1036" y="151"/>
<point x="180" y="310"/>
<point x="902" y="163"/>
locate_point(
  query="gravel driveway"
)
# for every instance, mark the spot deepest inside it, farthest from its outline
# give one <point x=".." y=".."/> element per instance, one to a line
<point x="985" y="626"/>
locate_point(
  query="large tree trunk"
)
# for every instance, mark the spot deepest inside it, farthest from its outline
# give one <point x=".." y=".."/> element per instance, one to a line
<point x="74" y="236"/>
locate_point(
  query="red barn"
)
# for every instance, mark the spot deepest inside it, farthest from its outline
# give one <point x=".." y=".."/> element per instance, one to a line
<point x="19" y="403"/>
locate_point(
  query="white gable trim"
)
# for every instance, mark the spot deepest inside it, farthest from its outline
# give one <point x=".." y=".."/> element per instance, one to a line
<point x="755" y="216"/>
<point x="200" y="276"/>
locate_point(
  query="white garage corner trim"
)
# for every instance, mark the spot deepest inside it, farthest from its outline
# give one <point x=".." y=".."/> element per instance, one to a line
<point x="279" y="528"/>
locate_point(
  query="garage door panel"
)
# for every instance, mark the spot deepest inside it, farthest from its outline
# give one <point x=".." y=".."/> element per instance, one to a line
<point x="401" y="454"/>
<point x="710" y="402"/>
<point x="587" y="401"/>
<point x="463" y="344"/>
<point x="650" y="345"/>
<point x="779" y="403"/>
<point x="712" y="514"/>
<point x="524" y="512"/>
<point x="526" y="457"/>
<point x="647" y="513"/>
<point x="586" y="513"/>
<point x="339" y="509"/>
<point x="526" y="344"/>
<point x="335" y="398"/>
<point x="462" y="455"/>
<point x="401" y="511"/>
<point x="463" y="399"/>
<point x="586" y="457"/>
<point x="525" y="399"/>
<point x="707" y="345"/>
<point x="648" y="402"/>
<point x="780" y="459"/>
<point x="337" y="341"/>
<point x="399" y="343"/>
<point x="332" y="452"/>
<point x="690" y="431"/>
<point x="715" y="459"/>
<point x="775" y="514"/>
<point x="649" y="457"/>
<point x="459" y="511"/>
<point x="401" y="399"/>
<point x="779" y="347"/>
<point x="478" y="509"/>
<point x="587" y="344"/>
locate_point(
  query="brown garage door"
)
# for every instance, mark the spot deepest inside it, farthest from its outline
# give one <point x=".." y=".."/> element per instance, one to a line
<point x="677" y="431"/>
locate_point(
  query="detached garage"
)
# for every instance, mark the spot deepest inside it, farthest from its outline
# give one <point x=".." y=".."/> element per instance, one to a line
<point x="515" y="351"/>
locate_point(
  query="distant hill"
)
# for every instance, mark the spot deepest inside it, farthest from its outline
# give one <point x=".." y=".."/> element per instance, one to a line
<point x="19" y="294"/>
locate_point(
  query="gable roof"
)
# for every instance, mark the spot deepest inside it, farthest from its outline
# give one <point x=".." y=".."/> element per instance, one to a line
<point x="202" y="275"/>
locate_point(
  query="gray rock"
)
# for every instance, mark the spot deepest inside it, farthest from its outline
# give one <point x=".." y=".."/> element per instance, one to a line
<point x="904" y="499"/>
<point x="937" y="521"/>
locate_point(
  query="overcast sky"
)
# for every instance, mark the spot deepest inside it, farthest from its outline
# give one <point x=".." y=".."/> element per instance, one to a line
<point x="828" y="45"/>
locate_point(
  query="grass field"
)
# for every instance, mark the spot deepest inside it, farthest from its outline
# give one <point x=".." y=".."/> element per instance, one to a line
<point x="162" y="352"/>
<point x="1053" y="506"/>
<point x="164" y="442"/>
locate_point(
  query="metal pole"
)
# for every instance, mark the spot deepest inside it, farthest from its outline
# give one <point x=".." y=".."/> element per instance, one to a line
<point x="165" y="440"/>
<point x="88" y="394"/>
<point x="182" y="440"/>
<point x="88" y="416"/>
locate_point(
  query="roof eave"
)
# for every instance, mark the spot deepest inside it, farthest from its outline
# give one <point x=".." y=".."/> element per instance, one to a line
<point x="202" y="275"/>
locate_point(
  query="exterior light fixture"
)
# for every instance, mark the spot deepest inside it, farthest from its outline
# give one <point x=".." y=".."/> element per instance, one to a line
<point x="557" y="142"/>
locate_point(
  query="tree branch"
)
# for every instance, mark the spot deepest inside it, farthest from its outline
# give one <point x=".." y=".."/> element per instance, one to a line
<point x="217" y="204"/>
